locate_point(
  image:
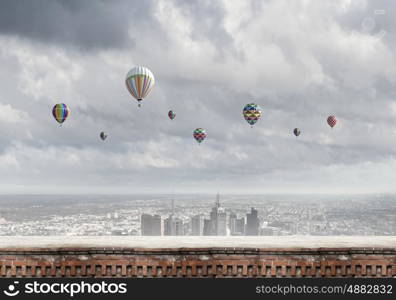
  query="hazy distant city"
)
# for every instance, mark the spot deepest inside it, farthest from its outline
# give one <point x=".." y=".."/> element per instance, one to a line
<point x="198" y="215"/>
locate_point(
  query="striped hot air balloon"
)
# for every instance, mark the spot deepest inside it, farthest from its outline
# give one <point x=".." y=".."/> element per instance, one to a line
<point x="139" y="82"/>
<point x="251" y="113"/>
<point x="199" y="134"/>
<point x="332" y="121"/>
<point x="60" y="112"/>
<point x="171" y="114"/>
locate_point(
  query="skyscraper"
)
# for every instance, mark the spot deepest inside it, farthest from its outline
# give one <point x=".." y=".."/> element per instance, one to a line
<point x="207" y="228"/>
<point x="150" y="224"/>
<point x="221" y="222"/>
<point x="197" y="225"/>
<point x="217" y="224"/>
<point x="172" y="225"/>
<point x="237" y="225"/>
<point x="179" y="230"/>
<point x="169" y="226"/>
<point x="252" y="223"/>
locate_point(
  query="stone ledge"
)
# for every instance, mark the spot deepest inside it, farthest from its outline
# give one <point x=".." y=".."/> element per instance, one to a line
<point x="184" y="242"/>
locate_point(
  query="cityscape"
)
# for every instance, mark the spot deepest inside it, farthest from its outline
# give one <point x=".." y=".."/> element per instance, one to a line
<point x="196" y="215"/>
<point x="218" y="223"/>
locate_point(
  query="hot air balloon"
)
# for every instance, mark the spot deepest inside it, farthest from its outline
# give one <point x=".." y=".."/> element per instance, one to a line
<point x="60" y="112"/>
<point x="171" y="114"/>
<point x="103" y="136"/>
<point x="199" y="134"/>
<point x="252" y="113"/>
<point x="332" y="121"/>
<point x="139" y="82"/>
<point x="296" y="131"/>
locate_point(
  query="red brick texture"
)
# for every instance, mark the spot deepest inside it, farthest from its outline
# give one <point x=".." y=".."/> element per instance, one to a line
<point x="197" y="262"/>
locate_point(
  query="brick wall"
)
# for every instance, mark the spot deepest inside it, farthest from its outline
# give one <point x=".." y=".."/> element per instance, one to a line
<point x="197" y="262"/>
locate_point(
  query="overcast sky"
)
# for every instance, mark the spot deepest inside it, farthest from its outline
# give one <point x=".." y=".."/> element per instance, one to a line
<point x="299" y="60"/>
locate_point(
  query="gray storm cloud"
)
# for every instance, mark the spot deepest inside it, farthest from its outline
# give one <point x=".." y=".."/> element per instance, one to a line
<point x="301" y="61"/>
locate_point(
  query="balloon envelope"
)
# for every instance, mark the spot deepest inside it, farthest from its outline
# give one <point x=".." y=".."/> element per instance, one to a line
<point x="296" y="131"/>
<point x="199" y="134"/>
<point x="171" y="114"/>
<point x="60" y="112"/>
<point x="332" y="121"/>
<point x="139" y="82"/>
<point x="103" y="135"/>
<point x="251" y="113"/>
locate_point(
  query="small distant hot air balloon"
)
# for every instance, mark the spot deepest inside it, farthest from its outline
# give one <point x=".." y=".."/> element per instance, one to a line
<point x="332" y="121"/>
<point x="60" y="112"/>
<point x="103" y="136"/>
<point x="252" y="113"/>
<point x="139" y="82"/>
<point x="296" y="131"/>
<point x="171" y="114"/>
<point x="199" y="134"/>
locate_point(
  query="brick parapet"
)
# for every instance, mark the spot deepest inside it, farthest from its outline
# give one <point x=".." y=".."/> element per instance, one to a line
<point x="197" y="262"/>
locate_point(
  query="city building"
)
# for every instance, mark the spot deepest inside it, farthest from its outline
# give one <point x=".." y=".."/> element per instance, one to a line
<point x="217" y="224"/>
<point x="150" y="224"/>
<point x="236" y="225"/>
<point x="252" y="223"/>
<point x="178" y="224"/>
<point x="169" y="226"/>
<point x="197" y="225"/>
<point x="207" y="228"/>
<point x="172" y="225"/>
<point x="221" y="228"/>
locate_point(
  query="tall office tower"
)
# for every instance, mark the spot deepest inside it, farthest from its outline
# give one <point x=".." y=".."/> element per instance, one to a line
<point x="221" y="222"/>
<point x="150" y="224"/>
<point x="231" y="222"/>
<point x="213" y="221"/>
<point x="207" y="229"/>
<point x="240" y="226"/>
<point x="169" y="226"/>
<point x="178" y="223"/>
<point x="173" y="226"/>
<point x="237" y="225"/>
<point x="217" y="225"/>
<point x="197" y="225"/>
<point x="252" y="223"/>
<point x="169" y="223"/>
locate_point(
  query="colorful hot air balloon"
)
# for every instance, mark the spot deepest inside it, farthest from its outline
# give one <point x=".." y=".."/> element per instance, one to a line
<point x="103" y="136"/>
<point x="296" y="131"/>
<point x="139" y="82"/>
<point x="171" y="114"/>
<point x="252" y="113"/>
<point x="199" y="134"/>
<point x="332" y="121"/>
<point x="60" y="112"/>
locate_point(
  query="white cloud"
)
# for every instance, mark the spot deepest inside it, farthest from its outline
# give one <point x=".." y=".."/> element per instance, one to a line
<point x="301" y="61"/>
<point x="10" y="115"/>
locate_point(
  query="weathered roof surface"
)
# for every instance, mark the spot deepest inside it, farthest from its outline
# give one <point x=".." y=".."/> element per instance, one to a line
<point x="199" y="242"/>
